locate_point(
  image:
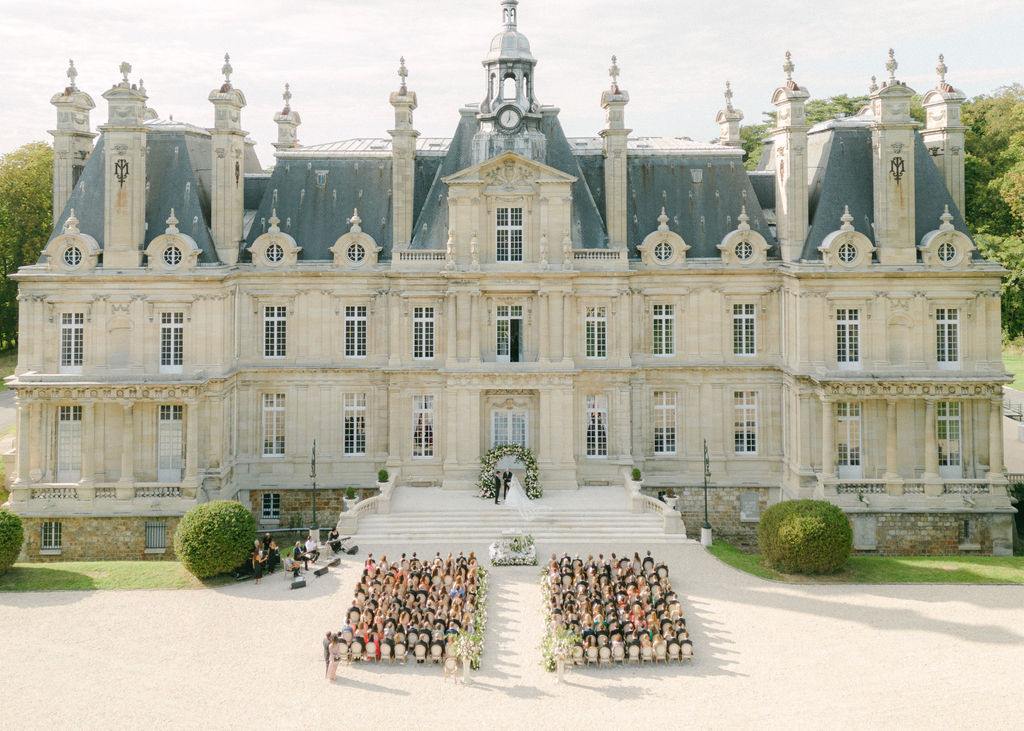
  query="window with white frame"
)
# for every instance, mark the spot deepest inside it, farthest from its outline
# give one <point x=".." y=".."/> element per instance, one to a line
<point x="273" y="424"/>
<point x="947" y="432"/>
<point x="270" y="506"/>
<point x="848" y="338"/>
<point x="275" y="331"/>
<point x="355" y="331"/>
<point x="69" y="443"/>
<point x="354" y="411"/>
<point x="947" y="336"/>
<point x="422" y="426"/>
<point x="848" y="438"/>
<point x="664" y="422"/>
<point x="744" y="329"/>
<point x="597" y="332"/>
<point x="508" y="346"/>
<point x="172" y="341"/>
<point x="423" y="333"/>
<point x="72" y="341"/>
<point x="664" y="333"/>
<point x="745" y="422"/>
<point x="509" y="231"/>
<point x="597" y="425"/>
<point x="169" y="457"/>
<point x="50" y="538"/>
<point x="509" y="427"/>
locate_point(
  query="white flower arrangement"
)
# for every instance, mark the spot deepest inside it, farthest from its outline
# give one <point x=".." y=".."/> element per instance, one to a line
<point x="469" y="645"/>
<point x="558" y="642"/>
<point x="514" y="551"/>
<point x="489" y="463"/>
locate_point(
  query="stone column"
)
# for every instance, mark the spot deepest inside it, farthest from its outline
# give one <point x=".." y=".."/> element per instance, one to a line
<point x="38" y="441"/>
<point x="87" y="485"/>
<point x="623" y="329"/>
<point x="19" y="487"/>
<point x="544" y="334"/>
<point x="126" y="485"/>
<point x="474" y="332"/>
<point x="894" y="486"/>
<point x="568" y="315"/>
<point x="828" y="440"/>
<point x="394" y="427"/>
<point x="995" y="438"/>
<point x="556" y="306"/>
<point x="395" y="326"/>
<point x="191" y="481"/>
<point x="933" y="484"/>
<point x="451" y="320"/>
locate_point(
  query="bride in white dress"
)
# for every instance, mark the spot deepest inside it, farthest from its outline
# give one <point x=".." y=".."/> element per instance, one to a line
<point x="517" y="499"/>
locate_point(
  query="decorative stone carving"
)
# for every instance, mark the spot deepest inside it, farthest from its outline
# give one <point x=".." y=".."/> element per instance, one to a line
<point x="355" y="249"/>
<point x="946" y="247"/>
<point x="744" y="246"/>
<point x="275" y="249"/>
<point x="663" y="248"/>
<point x="846" y="248"/>
<point x="172" y="251"/>
<point x="72" y="251"/>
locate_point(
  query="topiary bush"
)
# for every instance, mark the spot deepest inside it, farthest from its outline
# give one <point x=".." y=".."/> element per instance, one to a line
<point x="214" y="538"/>
<point x="12" y="535"/>
<point x="805" y="537"/>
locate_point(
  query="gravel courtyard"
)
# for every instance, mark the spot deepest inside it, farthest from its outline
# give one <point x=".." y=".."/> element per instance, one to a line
<point x="769" y="655"/>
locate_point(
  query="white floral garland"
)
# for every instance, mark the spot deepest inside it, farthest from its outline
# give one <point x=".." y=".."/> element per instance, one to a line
<point x="489" y="463"/>
<point x="514" y="551"/>
<point x="470" y="645"/>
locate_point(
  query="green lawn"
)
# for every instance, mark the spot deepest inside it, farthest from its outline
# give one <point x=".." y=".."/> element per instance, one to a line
<point x="1014" y="363"/>
<point x="890" y="570"/>
<point x="84" y="575"/>
<point x="8" y="360"/>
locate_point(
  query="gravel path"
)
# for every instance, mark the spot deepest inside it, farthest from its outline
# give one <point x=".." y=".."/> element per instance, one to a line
<point x="774" y="655"/>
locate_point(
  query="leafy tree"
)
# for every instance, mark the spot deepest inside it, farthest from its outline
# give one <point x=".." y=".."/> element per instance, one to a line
<point x="26" y="221"/>
<point x="995" y="121"/>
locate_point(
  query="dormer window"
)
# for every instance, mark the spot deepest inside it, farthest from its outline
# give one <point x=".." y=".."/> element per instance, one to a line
<point x="321" y="178"/>
<point x="356" y="253"/>
<point x="847" y="253"/>
<point x="509" y="228"/>
<point x="744" y="251"/>
<point x="72" y="256"/>
<point x="172" y="256"/>
<point x="275" y="253"/>
<point x="663" y="251"/>
<point x="947" y="252"/>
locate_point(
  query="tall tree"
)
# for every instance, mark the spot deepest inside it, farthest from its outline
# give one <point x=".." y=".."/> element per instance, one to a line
<point x="26" y="221"/>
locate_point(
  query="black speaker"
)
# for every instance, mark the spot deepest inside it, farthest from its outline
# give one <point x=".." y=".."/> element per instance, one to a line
<point x="320" y="572"/>
<point x="334" y="563"/>
<point x="352" y="551"/>
<point x="298" y="583"/>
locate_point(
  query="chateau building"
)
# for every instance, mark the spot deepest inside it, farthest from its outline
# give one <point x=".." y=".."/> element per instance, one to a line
<point x="824" y="323"/>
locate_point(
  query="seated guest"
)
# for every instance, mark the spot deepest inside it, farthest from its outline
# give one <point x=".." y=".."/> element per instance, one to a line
<point x="334" y="540"/>
<point x="311" y="549"/>
<point x="299" y="554"/>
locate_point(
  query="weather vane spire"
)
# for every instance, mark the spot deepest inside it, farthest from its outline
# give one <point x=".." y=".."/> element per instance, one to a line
<point x="728" y="96"/>
<point x="614" y="72"/>
<point x="891" y="65"/>
<point x="941" y="69"/>
<point x="403" y="74"/>
<point x="788" y="67"/>
<point x="226" y="68"/>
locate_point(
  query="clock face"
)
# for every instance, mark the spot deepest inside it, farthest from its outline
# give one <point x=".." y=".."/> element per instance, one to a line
<point x="509" y="118"/>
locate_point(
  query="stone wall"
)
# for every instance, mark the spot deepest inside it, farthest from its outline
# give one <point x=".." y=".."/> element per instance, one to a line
<point x="99" y="539"/>
<point x="723" y="512"/>
<point x="923" y="534"/>
<point x="297" y="505"/>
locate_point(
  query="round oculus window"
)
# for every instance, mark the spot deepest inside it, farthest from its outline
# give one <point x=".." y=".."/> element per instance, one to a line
<point x="275" y="254"/>
<point x="947" y="252"/>
<point x="663" y="251"/>
<point x="72" y="256"/>
<point x="356" y="253"/>
<point x="172" y="256"/>
<point x="744" y="251"/>
<point x="847" y="253"/>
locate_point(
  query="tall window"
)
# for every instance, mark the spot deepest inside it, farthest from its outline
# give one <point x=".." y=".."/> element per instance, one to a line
<point x="270" y="507"/>
<point x="744" y="330"/>
<point x="848" y="441"/>
<point x="597" y="332"/>
<point x="69" y="443"/>
<point x="422" y="426"/>
<point x="509" y="333"/>
<point x="947" y="431"/>
<point x="509" y="230"/>
<point x="664" y="422"/>
<point x="423" y="333"/>
<point x="273" y="425"/>
<point x="50" y="536"/>
<point x="169" y="461"/>
<point x="354" y="407"/>
<point x="745" y="422"/>
<point x="664" y="329"/>
<point x="72" y="341"/>
<point x="275" y="331"/>
<point x="848" y="338"/>
<point x="597" y="426"/>
<point x="509" y="427"/>
<point x="355" y="331"/>
<point x="172" y="341"/>
<point x="947" y="337"/>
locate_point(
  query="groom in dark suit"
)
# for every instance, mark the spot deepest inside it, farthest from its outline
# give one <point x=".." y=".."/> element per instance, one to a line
<point x="506" y="480"/>
<point x="497" y="485"/>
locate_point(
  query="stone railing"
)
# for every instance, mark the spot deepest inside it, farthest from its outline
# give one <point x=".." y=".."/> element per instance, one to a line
<point x="931" y="488"/>
<point x="672" y="520"/>
<point x="55" y="493"/>
<point x="967" y="487"/>
<point x="419" y="255"/>
<point x="913" y="488"/>
<point x="866" y="487"/>
<point x="172" y="491"/>
<point x="380" y="504"/>
<point x="602" y="258"/>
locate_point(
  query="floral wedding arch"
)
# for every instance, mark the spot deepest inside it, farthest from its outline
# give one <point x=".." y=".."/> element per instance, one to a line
<point x="489" y="463"/>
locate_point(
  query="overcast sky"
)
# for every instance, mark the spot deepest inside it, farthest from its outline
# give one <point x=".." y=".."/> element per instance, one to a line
<point x="341" y="56"/>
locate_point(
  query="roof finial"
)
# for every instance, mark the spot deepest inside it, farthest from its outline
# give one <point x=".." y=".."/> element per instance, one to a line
<point x="663" y="220"/>
<point x="508" y="13"/>
<point x="744" y="219"/>
<point x="947" y="220"/>
<point x="71" y="225"/>
<point x="728" y="96"/>
<point x="226" y="69"/>
<point x="614" y="72"/>
<point x="142" y="85"/>
<point x="941" y="70"/>
<point x="891" y="66"/>
<point x="874" y="85"/>
<point x="355" y="221"/>
<point x="72" y="74"/>
<point x="788" y="66"/>
<point x="172" y="223"/>
<point x="125" y="68"/>
<point x="846" y="219"/>
<point x="403" y="74"/>
<point x="287" y="96"/>
<point x="274" y="221"/>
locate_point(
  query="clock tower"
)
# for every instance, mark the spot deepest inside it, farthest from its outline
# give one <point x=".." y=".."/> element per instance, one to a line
<point x="510" y="115"/>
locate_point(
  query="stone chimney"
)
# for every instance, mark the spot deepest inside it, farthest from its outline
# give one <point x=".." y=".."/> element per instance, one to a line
<point x="403" y="164"/>
<point x="615" y="137"/>
<point x="729" y="121"/>
<point x="288" y="122"/>
<point x="944" y="134"/>
<point x="228" y="145"/>
<point x="790" y="149"/>
<point x="72" y="140"/>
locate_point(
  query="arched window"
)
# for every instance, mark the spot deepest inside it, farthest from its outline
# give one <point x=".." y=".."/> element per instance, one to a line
<point x="508" y="89"/>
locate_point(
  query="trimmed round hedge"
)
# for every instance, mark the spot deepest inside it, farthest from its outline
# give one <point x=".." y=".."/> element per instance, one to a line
<point x="12" y="535"/>
<point x="805" y="537"/>
<point x="214" y="538"/>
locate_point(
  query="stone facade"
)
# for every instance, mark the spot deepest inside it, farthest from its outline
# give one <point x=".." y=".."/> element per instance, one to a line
<point x="930" y="534"/>
<point x="728" y="521"/>
<point x="824" y="323"/>
<point x="296" y="506"/>
<point x="99" y="539"/>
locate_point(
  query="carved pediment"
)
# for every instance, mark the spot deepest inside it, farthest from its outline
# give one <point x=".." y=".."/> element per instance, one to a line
<point x="509" y="172"/>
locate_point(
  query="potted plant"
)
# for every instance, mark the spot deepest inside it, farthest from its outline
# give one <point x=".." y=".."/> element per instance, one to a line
<point x="671" y="499"/>
<point x="636" y="480"/>
<point x="350" y="498"/>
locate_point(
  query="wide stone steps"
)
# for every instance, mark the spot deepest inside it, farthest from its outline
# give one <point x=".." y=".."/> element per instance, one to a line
<point x="487" y="525"/>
